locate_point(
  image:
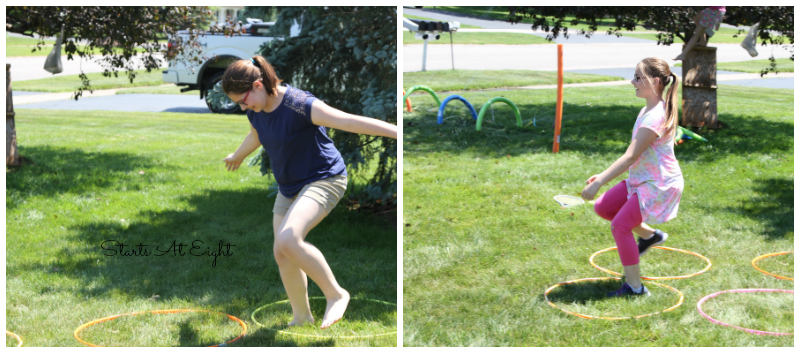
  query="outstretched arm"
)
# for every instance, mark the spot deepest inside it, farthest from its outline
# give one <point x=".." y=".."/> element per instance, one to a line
<point x="324" y="115"/>
<point x="644" y="137"/>
<point x="250" y="143"/>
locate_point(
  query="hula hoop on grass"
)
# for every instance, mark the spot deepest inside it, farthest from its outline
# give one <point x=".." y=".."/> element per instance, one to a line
<point x="253" y="317"/>
<point x="680" y="301"/>
<point x="489" y="103"/>
<point x="591" y="261"/>
<point x="9" y="333"/>
<point x="770" y="255"/>
<point x="426" y="89"/>
<point x="440" y="116"/>
<point x="700" y="303"/>
<point x="408" y="102"/>
<point x="172" y="311"/>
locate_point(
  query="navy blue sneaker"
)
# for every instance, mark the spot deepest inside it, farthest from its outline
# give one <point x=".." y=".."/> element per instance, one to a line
<point x="658" y="238"/>
<point x="627" y="290"/>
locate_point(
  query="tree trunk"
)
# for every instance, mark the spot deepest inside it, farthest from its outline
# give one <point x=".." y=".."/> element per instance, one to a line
<point x="12" y="156"/>
<point x="700" y="88"/>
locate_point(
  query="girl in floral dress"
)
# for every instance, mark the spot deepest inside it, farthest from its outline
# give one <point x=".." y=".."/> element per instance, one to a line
<point x="652" y="192"/>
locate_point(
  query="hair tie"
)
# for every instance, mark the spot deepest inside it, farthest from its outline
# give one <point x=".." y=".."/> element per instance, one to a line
<point x="253" y="61"/>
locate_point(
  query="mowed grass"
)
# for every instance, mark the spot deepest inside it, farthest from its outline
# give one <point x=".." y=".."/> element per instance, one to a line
<point x="483" y="238"/>
<point x="93" y="180"/>
<point x="454" y="80"/>
<point x="16" y="46"/>
<point x="723" y="35"/>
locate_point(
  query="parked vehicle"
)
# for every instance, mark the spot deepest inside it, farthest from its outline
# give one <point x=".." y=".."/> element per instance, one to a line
<point x="218" y="52"/>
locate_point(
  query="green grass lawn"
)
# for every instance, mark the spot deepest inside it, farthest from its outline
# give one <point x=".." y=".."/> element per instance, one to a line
<point x="479" y="38"/>
<point x="158" y="179"/>
<point x="754" y="66"/>
<point x="483" y="238"/>
<point x="16" y="46"/>
<point x="453" y="80"/>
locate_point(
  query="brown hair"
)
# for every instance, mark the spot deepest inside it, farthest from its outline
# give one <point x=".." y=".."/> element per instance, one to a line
<point x="239" y="76"/>
<point x="653" y="68"/>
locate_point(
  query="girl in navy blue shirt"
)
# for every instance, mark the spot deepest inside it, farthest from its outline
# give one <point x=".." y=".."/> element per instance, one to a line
<point x="291" y="126"/>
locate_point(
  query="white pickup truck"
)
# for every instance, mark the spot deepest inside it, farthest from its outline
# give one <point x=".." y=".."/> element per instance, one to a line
<point x="220" y="51"/>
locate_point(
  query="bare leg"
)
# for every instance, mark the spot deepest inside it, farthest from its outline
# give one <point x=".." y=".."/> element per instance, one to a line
<point x="294" y="280"/>
<point x="644" y="231"/>
<point x="698" y="31"/>
<point x="304" y="215"/>
<point x="632" y="276"/>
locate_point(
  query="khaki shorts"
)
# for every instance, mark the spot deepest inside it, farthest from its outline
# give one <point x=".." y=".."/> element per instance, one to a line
<point x="327" y="192"/>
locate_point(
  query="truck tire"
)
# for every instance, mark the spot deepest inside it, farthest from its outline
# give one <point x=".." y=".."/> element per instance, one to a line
<point x="228" y="106"/>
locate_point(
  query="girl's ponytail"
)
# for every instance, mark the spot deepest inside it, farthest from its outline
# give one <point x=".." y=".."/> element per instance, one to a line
<point x="653" y="68"/>
<point x="671" y="102"/>
<point x="239" y="76"/>
<point x="268" y="77"/>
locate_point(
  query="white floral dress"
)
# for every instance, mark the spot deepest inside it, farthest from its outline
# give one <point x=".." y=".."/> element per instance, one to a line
<point x="656" y="176"/>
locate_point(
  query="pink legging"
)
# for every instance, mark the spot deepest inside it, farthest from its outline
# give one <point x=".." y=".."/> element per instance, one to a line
<point x="624" y="215"/>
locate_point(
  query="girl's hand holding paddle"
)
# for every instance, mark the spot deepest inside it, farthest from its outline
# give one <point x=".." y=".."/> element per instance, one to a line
<point x="590" y="190"/>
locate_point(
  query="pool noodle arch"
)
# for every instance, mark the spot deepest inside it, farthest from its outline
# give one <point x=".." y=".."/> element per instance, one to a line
<point x="489" y="103"/>
<point x="440" y="116"/>
<point x="426" y="89"/>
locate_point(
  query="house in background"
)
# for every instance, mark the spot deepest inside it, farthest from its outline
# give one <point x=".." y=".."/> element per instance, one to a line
<point x="224" y="12"/>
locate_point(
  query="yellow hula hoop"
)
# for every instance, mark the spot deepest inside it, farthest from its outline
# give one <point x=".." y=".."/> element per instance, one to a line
<point x="680" y="301"/>
<point x="171" y="311"/>
<point x="770" y="255"/>
<point x="591" y="261"/>
<point x="9" y="333"/>
<point x="253" y="317"/>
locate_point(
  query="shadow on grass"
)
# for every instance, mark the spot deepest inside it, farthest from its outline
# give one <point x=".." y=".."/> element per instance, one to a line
<point x="48" y="171"/>
<point x="232" y="279"/>
<point x="583" y="292"/>
<point x="586" y="130"/>
<point x="774" y="207"/>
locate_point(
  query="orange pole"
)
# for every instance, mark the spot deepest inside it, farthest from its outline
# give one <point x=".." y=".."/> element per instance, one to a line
<point x="559" y="99"/>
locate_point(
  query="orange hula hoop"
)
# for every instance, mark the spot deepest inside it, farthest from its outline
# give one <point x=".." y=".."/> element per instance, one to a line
<point x="584" y="316"/>
<point x="770" y="255"/>
<point x="171" y="311"/>
<point x="408" y="102"/>
<point x="591" y="261"/>
<point x="9" y="333"/>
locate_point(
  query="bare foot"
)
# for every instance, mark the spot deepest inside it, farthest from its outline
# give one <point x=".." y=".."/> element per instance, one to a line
<point x="335" y="309"/>
<point x="301" y="321"/>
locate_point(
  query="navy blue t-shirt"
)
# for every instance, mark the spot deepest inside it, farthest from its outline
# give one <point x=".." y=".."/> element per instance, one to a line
<point x="300" y="152"/>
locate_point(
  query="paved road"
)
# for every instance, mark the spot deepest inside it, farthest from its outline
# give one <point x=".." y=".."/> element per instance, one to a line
<point x="602" y="54"/>
<point x="127" y="103"/>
